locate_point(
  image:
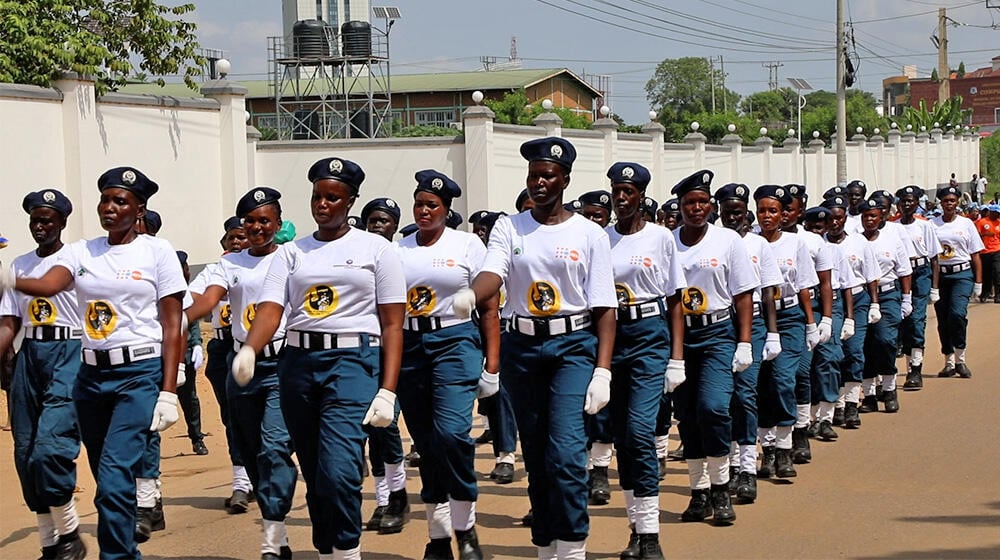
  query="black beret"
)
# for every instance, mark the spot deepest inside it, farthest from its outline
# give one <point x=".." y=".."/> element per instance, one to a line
<point x="910" y="190"/>
<point x="130" y="179"/>
<point x="797" y="191"/>
<point x="859" y="184"/>
<point x="386" y="205"/>
<point x="776" y="192"/>
<point x="649" y="206"/>
<point x="182" y="256"/>
<point x="478" y="215"/>
<point x="733" y="191"/>
<point x="870" y="204"/>
<point x="671" y="206"/>
<point x="882" y="195"/>
<point x="153" y="221"/>
<point x="596" y="198"/>
<point x="255" y="198"/>
<point x="232" y="223"/>
<point x="343" y="170"/>
<point x="48" y="198"/>
<point x="453" y="220"/>
<point x="945" y="191"/>
<point x="835" y="202"/>
<point x="628" y="172"/>
<point x="573" y="205"/>
<point x="816" y="213"/>
<point x="835" y="191"/>
<point x="490" y="219"/>
<point x="554" y="149"/>
<point x="522" y="197"/>
<point x="408" y="230"/>
<point x="699" y="180"/>
<point x="355" y="222"/>
<point x="438" y="183"/>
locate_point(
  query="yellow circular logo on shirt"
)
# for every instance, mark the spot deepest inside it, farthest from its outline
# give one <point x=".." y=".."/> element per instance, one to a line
<point x="249" y="314"/>
<point x="694" y="301"/>
<point x="321" y="301"/>
<point x="225" y="315"/>
<point x="625" y="295"/>
<point x="420" y="301"/>
<point x="42" y="312"/>
<point x="100" y="320"/>
<point x="947" y="251"/>
<point x="543" y="299"/>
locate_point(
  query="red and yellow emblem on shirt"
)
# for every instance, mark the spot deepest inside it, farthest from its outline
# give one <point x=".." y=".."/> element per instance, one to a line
<point x="42" y="312"/>
<point x="100" y="319"/>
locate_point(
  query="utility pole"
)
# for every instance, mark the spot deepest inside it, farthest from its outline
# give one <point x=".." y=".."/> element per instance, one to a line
<point x="711" y="77"/>
<point x="725" y="98"/>
<point x="841" y="98"/>
<point x="944" y="73"/>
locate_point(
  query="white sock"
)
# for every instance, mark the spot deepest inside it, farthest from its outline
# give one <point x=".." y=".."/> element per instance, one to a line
<point x="241" y="481"/>
<point x="647" y="515"/>
<point x="629" y="505"/>
<point x="801" y="415"/>
<point x="145" y="492"/>
<point x="662" y="446"/>
<point x="159" y="486"/>
<point x="783" y="437"/>
<point x="463" y="514"/>
<point x="734" y="454"/>
<point x="748" y="459"/>
<point x="826" y="411"/>
<point x="698" y="474"/>
<point x="395" y="476"/>
<point x="600" y="454"/>
<point x="486" y="422"/>
<point x="960" y="355"/>
<point x="275" y="534"/>
<point x="888" y="382"/>
<point x="853" y="392"/>
<point x="575" y="550"/>
<point x="918" y="357"/>
<point x="547" y="552"/>
<point x="950" y="360"/>
<point x="438" y="520"/>
<point x="507" y="458"/>
<point x="766" y="436"/>
<point x="718" y="470"/>
<point x="352" y="554"/>
<point x="381" y="491"/>
<point x="842" y="397"/>
<point x="65" y="518"/>
<point x="814" y="413"/>
<point x="868" y="387"/>
<point x="47" y="534"/>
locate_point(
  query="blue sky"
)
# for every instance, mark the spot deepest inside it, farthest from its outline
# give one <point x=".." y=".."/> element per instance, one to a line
<point x="625" y="39"/>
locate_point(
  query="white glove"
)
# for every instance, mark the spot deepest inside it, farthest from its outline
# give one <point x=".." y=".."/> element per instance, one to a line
<point x="772" y="346"/>
<point x="848" y="330"/>
<point x="197" y="357"/>
<point x="598" y="391"/>
<point x="181" y="374"/>
<point x="463" y="302"/>
<point x="977" y="289"/>
<point x="812" y="336"/>
<point x="675" y="375"/>
<point x="243" y="365"/>
<point x="743" y="356"/>
<point x="906" y="307"/>
<point x="489" y="384"/>
<point x="7" y="277"/>
<point x="825" y="329"/>
<point x="874" y="314"/>
<point x="935" y="295"/>
<point x="165" y="412"/>
<point x="382" y="409"/>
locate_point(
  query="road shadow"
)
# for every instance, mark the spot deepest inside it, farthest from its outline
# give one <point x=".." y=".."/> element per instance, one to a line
<point x="956" y="553"/>
<point x="963" y="520"/>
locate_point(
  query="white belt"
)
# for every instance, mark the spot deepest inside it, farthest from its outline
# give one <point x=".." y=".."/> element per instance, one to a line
<point x="427" y="324"/>
<point x="857" y="290"/>
<point x="311" y="340"/>
<point x="886" y="288"/>
<point x="224" y="333"/>
<point x="918" y="261"/>
<point x="549" y="326"/>
<point x="756" y="308"/>
<point x="953" y="268"/>
<point x="639" y="311"/>
<point x="120" y="356"/>
<point x="50" y="332"/>
<point x="706" y="319"/>
<point x="269" y="351"/>
<point x="786" y="302"/>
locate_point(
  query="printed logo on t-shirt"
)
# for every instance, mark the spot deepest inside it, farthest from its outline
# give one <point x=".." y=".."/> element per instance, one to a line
<point x="226" y="315"/>
<point x="639" y="260"/>
<point x="249" y="314"/>
<point x="947" y="251"/>
<point x="321" y="301"/>
<point x="42" y="312"/>
<point x="100" y="320"/>
<point x="420" y="300"/>
<point x="543" y="299"/>
<point x="694" y="301"/>
<point x="625" y="295"/>
<point x="567" y="253"/>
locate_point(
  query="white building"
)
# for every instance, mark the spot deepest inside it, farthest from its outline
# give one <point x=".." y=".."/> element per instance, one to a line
<point x="334" y="12"/>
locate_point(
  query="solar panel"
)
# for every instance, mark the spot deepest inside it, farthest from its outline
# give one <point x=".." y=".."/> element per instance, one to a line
<point x="386" y="12"/>
<point x="379" y="12"/>
<point x="799" y="83"/>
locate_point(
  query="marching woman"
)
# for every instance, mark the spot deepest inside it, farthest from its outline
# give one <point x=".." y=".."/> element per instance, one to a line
<point x="960" y="279"/>
<point x="254" y="407"/>
<point x="556" y="266"/>
<point x="443" y="366"/>
<point x="342" y="292"/>
<point x="129" y="290"/>
<point x="649" y="349"/>
<point x="720" y="282"/>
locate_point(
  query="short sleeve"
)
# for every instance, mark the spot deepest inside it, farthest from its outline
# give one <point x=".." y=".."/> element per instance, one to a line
<point x="169" y="275"/>
<point x="499" y="249"/>
<point x="476" y="255"/>
<point x="871" y="269"/>
<point x="805" y="275"/>
<point x="390" y="283"/>
<point x="770" y="274"/>
<point x="275" y="288"/>
<point x="975" y="241"/>
<point x="200" y="282"/>
<point x="601" y="276"/>
<point x="675" y="279"/>
<point x="8" y="304"/>
<point x="903" y="267"/>
<point x="741" y="275"/>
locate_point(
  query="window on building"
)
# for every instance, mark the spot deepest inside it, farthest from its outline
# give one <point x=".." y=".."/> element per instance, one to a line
<point x="436" y="118"/>
<point x="996" y="115"/>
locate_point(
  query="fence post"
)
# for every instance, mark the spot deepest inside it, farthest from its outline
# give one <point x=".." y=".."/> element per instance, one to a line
<point x="656" y="131"/>
<point x="477" y="127"/>
<point x="82" y="150"/>
<point x="235" y="177"/>
<point x="609" y="128"/>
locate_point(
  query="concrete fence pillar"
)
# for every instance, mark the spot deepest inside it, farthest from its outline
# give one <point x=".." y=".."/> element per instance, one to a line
<point x="83" y="148"/>
<point x="817" y="153"/>
<point x="735" y="145"/>
<point x="551" y="122"/>
<point x="235" y="177"/>
<point x="767" y="148"/>
<point x="697" y="140"/>
<point x="609" y="129"/>
<point x="656" y="131"/>
<point x="477" y="127"/>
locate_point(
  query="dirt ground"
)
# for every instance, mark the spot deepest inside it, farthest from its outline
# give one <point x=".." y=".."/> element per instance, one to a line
<point x="922" y="483"/>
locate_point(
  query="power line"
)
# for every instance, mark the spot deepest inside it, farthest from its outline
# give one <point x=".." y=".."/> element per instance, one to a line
<point x="916" y="14"/>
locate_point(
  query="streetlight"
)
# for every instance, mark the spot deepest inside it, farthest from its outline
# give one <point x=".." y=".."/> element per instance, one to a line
<point x="800" y="85"/>
<point x="390" y="14"/>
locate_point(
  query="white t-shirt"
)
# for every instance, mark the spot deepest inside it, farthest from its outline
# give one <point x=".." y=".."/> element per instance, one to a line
<point x="959" y="239"/>
<point x="58" y="310"/>
<point x="923" y="236"/>
<point x="762" y="261"/>
<point x="890" y="252"/>
<point x="222" y="313"/>
<point x="435" y="273"/>
<point x="242" y="276"/>
<point x="716" y="269"/>
<point x="842" y="277"/>
<point x="894" y="229"/>
<point x="981" y="185"/>
<point x="645" y="264"/>
<point x="818" y="249"/>
<point x="335" y="286"/>
<point x="859" y="256"/>
<point x="792" y="256"/>
<point x="118" y="288"/>
<point x="551" y="270"/>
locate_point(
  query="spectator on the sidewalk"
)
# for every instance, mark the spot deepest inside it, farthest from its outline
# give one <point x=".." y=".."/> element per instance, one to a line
<point x="988" y="227"/>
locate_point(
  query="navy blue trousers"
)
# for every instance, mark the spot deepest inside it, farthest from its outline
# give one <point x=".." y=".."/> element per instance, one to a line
<point x="853" y="366"/>
<point x="826" y="360"/>
<point x="912" y="329"/>
<point x="744" y="405"/>
<point x="880" y="342"/>
<point x="218" y="366"/>
<point x="776" y="384"/>
<point x="953" y="308"/>
<point x="702" y="401"/>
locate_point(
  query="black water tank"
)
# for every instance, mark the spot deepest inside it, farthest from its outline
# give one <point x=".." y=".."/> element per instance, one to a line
<point x="309" y="39"/>
<point x="357" y="37"/>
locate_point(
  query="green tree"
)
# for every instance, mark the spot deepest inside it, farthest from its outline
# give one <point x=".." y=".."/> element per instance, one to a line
<point x="948" y="113"/>
<point x="682" y="87"/>
<point x="820" y="114"/>
<point x="961" y="70"/>
<point x="774" y="108"/>
<point x="515" y="108"/>
<point x="114" y="41"/>
<point x="989" y="158"/>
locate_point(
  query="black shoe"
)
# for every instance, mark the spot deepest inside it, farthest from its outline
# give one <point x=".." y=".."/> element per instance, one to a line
<point x="269" y="556"/>
<point x="649" y="547"/>
<point x="963" y="370"/>
<point x="662" y="464"/>
<point x="285" y="553"/>
<point x="813" y="430"/>
<point x="376" y="519"/>
<point x="700" y="506"/>
<point x="868" y="404"/>
<point x="801" y="453"/>
<point x="468" y="545"/>
<point x="528" y="518"/>
<point x="502" y="473"/>
<point x="676" y="454"/>
<point x="439" y="549"/>
<point x="891" y="403"/>
<point x="239" y="502"/>
<point x="159" y="523"/>
<point x="852" y="420"/>
<point x="733" y="472"/>
<point x="632" y="548"/>
<point x="412" y="459"/>
<point x="600" y="489"/>
<point x="826" y="431"/>
<point x="878" y="391"/>
<point x="947" y="371"/>
<point x="914" y="378"/>
<point x="766" y="469"/>
<point x="143" y="524"/>
<point x="783" y="464"/>
<point x="49" y="552"/>
<point x="198" y="446"/>
<point x="838" y="416"/>
<point x="394" y="516"/>
<point x="485" y="437"/>
<point x="722" y="505"/>
<point x="746" y="488"/>
<point x="70" y="547"/>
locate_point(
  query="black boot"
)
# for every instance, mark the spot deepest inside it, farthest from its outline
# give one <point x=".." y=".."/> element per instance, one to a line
<point x="700" y="506"/>
<point x="239" y="502"/>
<point x="485" y="437"/>
<point x="528" y="518"/>
<point x="947" y="371"/>
<point x="468" y="545"/>
<point x="600" y="489"/>
<point x="746" y="488"/>
<point x="49" y="552"/>
<point x="869" y="404"/>
<point x="143" y="524"/>
<point x="783" y="465"/>
<point x="826" y="431"/>
<point x="439" y="549"/>
<point x="70" y="547"/>
<point x="852" y="420"/>
<point x="733" y="473"/>
<point x="722" y="505"/>
<point x="677" y="454"/>
<point x="662" y="467"/>
<point x="838" y="416"/>
<point x="412" y="458"/>
<point x="801" y="454"/>
<point x="394" y="516"/>
<point x="891" y="403"/>
<point x="649" y="547"/>
<point x="376" y="519"/>
<point x="632" y="548"/>
<point x="914" y="379"/>
<point x="963" y="370"/>
<point x="766" y="469"/>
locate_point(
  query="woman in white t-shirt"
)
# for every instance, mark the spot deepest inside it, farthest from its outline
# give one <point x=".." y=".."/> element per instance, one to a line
<point x="129" y="290"/>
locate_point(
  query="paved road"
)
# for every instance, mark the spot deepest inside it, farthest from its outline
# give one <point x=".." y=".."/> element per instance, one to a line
<point x="923" y="483"/>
